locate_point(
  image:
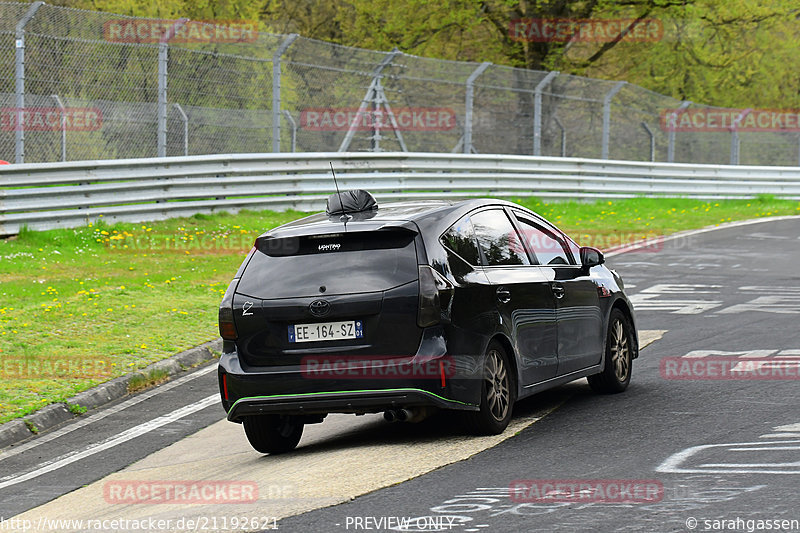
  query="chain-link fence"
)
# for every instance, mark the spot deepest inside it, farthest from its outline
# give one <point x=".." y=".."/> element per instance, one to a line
<point x="77" y="85"/>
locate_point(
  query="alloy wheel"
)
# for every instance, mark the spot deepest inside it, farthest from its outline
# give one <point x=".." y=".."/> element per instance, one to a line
<point x="497" y="389"/>
<point x="620" y="351"/>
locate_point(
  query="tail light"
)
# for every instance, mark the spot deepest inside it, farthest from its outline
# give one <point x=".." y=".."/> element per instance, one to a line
<point x="227" y="329"/>
<point x="431" y="284"/>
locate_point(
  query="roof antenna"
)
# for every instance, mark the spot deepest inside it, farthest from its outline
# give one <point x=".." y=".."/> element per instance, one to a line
<point x="345" y="217"/>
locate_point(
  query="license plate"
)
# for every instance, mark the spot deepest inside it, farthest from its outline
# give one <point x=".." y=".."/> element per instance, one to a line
<point x="326" y="331"/>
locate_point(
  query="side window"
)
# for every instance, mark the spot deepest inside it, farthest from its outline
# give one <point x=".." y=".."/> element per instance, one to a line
<point x="548" y="248"/>
<point x="498" y="239"/>
<point x="460" y="238"/>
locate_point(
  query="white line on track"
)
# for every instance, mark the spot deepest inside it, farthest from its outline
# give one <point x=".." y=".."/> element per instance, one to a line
<point x="105" y="412"/>
<point x="674" y="464"/>
<point x="125" y="436"/>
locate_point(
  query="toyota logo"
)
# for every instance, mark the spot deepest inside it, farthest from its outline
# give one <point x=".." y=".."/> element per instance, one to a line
<point x="320" y="307"/>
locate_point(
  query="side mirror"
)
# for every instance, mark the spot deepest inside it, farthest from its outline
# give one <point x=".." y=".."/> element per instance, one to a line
<point x="591" y="257"/>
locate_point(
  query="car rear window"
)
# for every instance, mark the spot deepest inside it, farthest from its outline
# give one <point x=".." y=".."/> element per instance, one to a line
<point x="342" y="263"/>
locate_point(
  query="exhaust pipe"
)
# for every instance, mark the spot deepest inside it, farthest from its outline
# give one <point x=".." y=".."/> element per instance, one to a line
<point x="413" y="415"/>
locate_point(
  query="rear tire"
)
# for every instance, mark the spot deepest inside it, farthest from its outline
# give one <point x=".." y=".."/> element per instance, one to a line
<point x="497" y="395"/>
<point x="616" y="374"/>
<point x="272" y="434"/>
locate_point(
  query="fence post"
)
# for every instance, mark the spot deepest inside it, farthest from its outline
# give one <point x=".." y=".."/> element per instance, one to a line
<point x="607" y="116"/>
<point x="63" y="126"/>
<point x="163" y="57"/>
<point x="470" y="96"/>
<point x="563" y="136"/>
<point x="671" y="136"/>
<point x="185" y="120"/>
<point x="537" y="112"/>
<point x="734" y="129"/>
<point x="276" y="91"/>
<point x="652" y="140"/>
<point x="19" y="141"/>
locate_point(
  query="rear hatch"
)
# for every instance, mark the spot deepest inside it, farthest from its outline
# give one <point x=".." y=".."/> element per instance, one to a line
<point x="341" y="294"/>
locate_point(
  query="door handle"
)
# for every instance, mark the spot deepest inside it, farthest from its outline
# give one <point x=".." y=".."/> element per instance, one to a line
<point x="503" y="295"/>
<point x="558" y="290"/>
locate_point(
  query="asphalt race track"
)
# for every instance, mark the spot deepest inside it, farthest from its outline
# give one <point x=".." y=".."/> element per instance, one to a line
<point x="686" y="448"/>
<point x="725" y="292"/>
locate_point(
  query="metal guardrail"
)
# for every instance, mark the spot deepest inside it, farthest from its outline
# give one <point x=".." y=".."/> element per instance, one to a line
<point x="62" y="195"/>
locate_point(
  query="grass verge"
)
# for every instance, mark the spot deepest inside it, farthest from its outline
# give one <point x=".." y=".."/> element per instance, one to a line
<point x="81" y="306"/>
<point x="141" y="382"/>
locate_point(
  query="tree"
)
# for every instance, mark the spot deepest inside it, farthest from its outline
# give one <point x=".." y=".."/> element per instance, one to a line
<point x="733" y="53"/>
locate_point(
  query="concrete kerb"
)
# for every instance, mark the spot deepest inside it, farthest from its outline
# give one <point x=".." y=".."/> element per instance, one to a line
<point x="52" y="415"/>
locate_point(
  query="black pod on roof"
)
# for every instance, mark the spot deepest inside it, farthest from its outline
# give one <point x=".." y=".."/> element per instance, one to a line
<point x="349" y="202"/>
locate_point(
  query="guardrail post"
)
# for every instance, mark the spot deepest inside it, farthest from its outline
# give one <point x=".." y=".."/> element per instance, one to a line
<point x="185" y="120"/>
<point x="63" y="126"/>
<point x="734" y="129"/>
<point x="276" y="91"/>
<point x="652" y="140"/>
<point x="537" y="112"/>
<point x="671" y="136"/>
<point x="470" y="97"/>
<point x="607" y="115"/>
<point x="163" y="57"/>
<point x="294" y="129"/>
<point x="563" y="136"/>
<point x="19" y="44"/>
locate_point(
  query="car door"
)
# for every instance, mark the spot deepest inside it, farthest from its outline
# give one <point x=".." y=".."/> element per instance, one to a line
<point x="523" y="296"/>
<point x="578" y="316"/>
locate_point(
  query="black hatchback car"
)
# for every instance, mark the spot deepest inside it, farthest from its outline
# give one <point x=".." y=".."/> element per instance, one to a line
<point x="411" y="307"/>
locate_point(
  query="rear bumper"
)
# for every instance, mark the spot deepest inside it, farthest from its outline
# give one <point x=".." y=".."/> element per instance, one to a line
<point x="296" y="390"/>
<point x="354" y="401"/>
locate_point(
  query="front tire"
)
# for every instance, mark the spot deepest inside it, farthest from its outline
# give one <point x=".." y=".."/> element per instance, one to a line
<point x="497" y="395"/>
<point x="616" y="374"/>
<point x="272" y="434"/>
